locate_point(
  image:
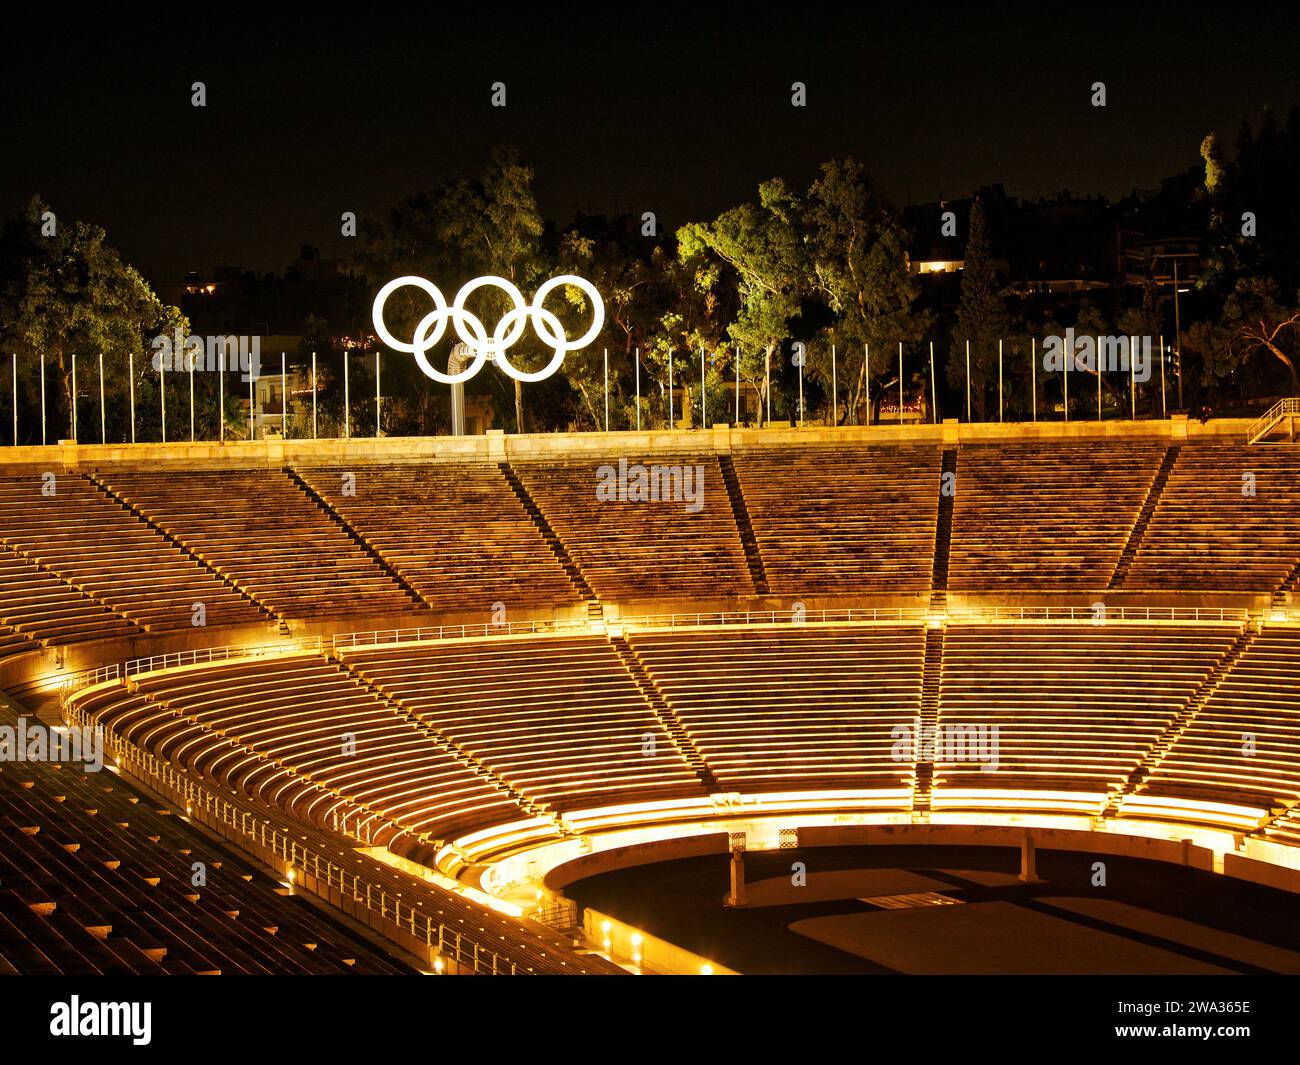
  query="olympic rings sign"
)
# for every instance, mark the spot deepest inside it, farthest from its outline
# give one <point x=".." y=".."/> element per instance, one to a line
<point x="473" y="333"/>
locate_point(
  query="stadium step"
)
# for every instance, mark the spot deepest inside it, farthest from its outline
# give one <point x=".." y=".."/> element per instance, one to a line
<point x="665" y="713"/>
<point x="456" y="751"/>
<point x="753" y="556"/>
<point x="1290" y="585"/>
<point x="1138" y="532"/>
<point x="943" y="531"/>
<point x="549" y="535"/>
<point x="107" y="490"/>
<point x="393" y="573"/>
<point x="927" y="722"/>
<point x="1181" y="721"/>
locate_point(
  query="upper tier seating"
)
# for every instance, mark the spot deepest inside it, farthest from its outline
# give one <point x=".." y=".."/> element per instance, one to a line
<point x="95" y="879"/>
<point x="93" y="543"/>
<point x="1046" y="517"/>
<point x="1207" y="534"/>
<point x="35" y="602"/>
<point x="559" y="718"/>
<point x="455" y="531"/>
<point x="1260" y="699"/>
<point x="640" y="550"/>
<point x="304" y="734"/>
<point x="792" y="708"/>
<point x="843" y="521"/>
<point x="1078" y="706"/>
<point x="260" y="530"/>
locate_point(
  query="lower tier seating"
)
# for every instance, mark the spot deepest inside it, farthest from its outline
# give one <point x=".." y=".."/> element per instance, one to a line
<point x="1077" y="706"/>
<point x="793" y="708"/>
<point x="559" y="718"/>
<point x="305" y="735"/>
<point x="1243" y="746"/>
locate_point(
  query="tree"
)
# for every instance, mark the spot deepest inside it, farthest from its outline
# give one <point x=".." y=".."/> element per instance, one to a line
<point x="858" y="250"/>
<point x="982" y="317"/>
<point x="68" y="291"/>
<point x="628" y="272"/>
<point x="457" y="231"/>
<point x="1256" y="320"/>
<point x="762" y="245"/>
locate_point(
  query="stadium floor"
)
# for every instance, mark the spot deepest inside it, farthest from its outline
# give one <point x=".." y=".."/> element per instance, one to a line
<point x="1149" y="919"/>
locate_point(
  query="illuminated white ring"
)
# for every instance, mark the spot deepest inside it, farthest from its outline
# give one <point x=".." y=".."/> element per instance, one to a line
<point x="381" y="298"/>
<point x="474" y="334"/>
<point x="538" y="315"/>
<point x="597" y="312"/>
<point x="496" y="343"/>
<point x="421" y="346"/>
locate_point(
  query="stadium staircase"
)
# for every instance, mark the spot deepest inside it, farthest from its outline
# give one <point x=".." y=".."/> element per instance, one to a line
<point x="456" y="752"/>
<point x="753" y="556"/>
<point x="1283" y="409"/>
<point x="1181" y="721"/>
<point x="107" y="491"/>
<point x="1148" y="510"/>
<point x="417" y="600"/>
<point x="595" y="612"/>
<point x="664" y="712"/>
<point x="943" y="535"/>
<point x="1290" y="585"/>
<point x="927" y="724"/>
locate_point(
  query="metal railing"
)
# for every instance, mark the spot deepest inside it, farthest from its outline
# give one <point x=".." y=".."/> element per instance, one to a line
<point x="848" y="615"/>
<point x="1271" y="417"/>
<point x="379" y="637"/>
<point x="135" y="666"/>
<point x="1084" y="613"/>
<point x="376" y="898"/>
<point x="854" y="615"/>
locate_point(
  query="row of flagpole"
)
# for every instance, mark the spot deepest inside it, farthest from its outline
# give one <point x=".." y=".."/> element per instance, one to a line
<point x="934" y="392"/>
<point x="767" y="390"/>
<point x="221" y="402"/>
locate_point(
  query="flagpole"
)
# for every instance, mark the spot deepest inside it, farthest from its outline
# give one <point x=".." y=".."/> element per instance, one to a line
<point x="968" y="380"/>
<point x="103" y="421"/>
<point x="835" y="401"/>
<point x="866" y="371"/>
<point x="900" y="382"/>
<point x="1033" y="374"/>
<point x="934" y="390"/>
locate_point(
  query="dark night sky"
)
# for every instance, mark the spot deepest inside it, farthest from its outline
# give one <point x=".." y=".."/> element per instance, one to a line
<point x="678" y="113"/>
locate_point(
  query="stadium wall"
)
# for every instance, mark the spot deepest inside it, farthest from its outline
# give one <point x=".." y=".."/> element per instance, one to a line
<point x="496" y="446"/>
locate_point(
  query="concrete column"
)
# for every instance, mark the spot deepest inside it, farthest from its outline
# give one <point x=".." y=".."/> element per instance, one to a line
<point x="1028" y="860"/>
<point x="737" y="895"/>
